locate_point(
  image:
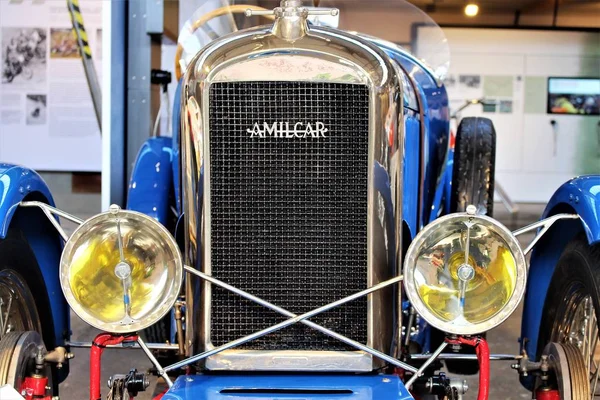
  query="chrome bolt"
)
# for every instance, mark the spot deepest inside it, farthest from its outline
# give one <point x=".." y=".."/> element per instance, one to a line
<point x="471" y="209"/>
<point x="114" y="209"/>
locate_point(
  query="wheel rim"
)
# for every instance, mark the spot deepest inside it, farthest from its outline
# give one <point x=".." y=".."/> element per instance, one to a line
<point x="578" y="325"/>
<point x="17" y="306"/>
<point x="18" y="352"/>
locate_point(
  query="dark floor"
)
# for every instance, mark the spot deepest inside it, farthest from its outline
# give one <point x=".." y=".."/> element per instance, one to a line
<point x="503" y="339"/>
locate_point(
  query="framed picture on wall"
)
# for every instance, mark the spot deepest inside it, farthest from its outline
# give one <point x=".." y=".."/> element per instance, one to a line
<point x="574" y="96"/>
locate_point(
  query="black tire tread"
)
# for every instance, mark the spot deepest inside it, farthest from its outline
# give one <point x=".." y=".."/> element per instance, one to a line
<point x="474" y="165"/>
<point x="579" y="262"/>
<point x="473" y="183"/>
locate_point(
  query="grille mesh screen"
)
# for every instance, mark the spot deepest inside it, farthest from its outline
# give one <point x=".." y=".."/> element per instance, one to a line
<point x="288" y="215"/>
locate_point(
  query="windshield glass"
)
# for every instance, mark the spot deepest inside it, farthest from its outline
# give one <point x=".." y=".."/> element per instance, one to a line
<point x="396" y="21"/>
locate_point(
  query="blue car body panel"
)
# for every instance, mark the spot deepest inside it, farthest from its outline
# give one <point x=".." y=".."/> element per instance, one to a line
<point x="176" y="137"/>
<point x="434" y="103"/>
<point x="298" y="387"/>
<point x="410" y="187"/>
<point x="432" y="152"/>
<point x="580" y="195"/>
<point x="18" y="184"/>
<point x="152" y="178"/>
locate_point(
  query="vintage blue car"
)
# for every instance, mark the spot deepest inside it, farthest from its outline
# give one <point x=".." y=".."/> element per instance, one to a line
<point x="312" y="230"/>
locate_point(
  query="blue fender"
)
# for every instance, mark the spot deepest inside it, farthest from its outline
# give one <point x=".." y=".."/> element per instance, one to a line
<point x="152" y="178"/>
<point x="21" y="184"/>
<point x="580" y="195"/>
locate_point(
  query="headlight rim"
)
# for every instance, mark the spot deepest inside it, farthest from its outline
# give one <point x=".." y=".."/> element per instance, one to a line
<point x="448" y="327"/>
<point x="151" y="318"/>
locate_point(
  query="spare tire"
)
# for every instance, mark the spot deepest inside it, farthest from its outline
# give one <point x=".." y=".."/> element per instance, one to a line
<point x="473" y="183"/>
<point x="474" y="166"/>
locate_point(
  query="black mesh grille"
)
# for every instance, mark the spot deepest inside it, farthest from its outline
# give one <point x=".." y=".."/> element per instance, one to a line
<point x="288" y="215"/>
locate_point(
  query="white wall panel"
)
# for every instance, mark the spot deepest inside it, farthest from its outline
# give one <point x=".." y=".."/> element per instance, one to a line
<point x="532" y="160"/>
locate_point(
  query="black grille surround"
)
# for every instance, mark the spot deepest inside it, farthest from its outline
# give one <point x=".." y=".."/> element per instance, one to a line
<point x="288" y="215"/>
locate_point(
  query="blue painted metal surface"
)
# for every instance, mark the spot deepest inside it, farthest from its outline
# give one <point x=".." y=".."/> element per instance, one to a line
<point x="299" y="387"/>
<point x="436" y="122"/>
<point x="582" y="196"/>
<point x="443" y="193"/>
<point x="410" y="185"/>
<point x="152" y="179"/>
<point x="176" y="139"/>
<point x="434" y="103"/>
<point x="17" y="184"/>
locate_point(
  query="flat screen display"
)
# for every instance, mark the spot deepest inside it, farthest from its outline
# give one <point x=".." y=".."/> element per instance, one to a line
<point x="574" y="96"/>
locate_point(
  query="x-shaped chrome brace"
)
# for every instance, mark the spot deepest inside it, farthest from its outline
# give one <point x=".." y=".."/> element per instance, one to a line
<point x="293" y="319"/>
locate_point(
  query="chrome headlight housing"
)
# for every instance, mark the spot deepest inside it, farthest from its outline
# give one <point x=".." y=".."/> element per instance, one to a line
<point x="464" y="273"/>
<point x="121" y="271"/>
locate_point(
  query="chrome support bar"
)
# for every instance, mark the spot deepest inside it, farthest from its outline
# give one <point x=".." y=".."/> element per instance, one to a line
<point x="283" y="324"/>
<point x="50" y="211"/>
<point x="151" y="346"/>
<point x="545" y="224"/>
<point x="56" y="224"/>
<point x="161" y="371"/>
<point x="452" y="356"/>
<point x="311" y="324"/>
<point x="426" y="364"/>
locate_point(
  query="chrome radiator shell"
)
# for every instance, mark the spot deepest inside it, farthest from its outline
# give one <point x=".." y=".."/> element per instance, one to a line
<point x="321" y="55"/>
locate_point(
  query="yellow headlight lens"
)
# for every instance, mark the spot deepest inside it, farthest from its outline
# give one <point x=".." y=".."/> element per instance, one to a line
<point x="465" y="274"/>
<point x="121" y="271"/>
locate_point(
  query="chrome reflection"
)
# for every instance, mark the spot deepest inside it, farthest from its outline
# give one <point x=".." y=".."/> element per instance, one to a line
<point x="121" y="271"/>
<point x="465" y="273"/>
<point x="322" y="55"/>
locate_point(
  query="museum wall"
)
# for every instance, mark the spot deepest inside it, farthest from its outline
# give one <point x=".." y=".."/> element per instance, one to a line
<point x="511" y="68"/>
<point x="47" y="119"/>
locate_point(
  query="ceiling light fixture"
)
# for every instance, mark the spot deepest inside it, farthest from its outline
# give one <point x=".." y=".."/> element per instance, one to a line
<point x="471" y="10"/>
